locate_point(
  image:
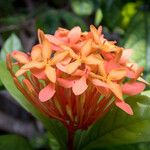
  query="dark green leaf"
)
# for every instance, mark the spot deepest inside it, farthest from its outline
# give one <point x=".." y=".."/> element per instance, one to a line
<point x="48" y="21"/>
<point x="40" y="142"/>
<point x="52" y="125"/>
<point x="14" y="142"/>
<point x="112" y="13"/>
<point x="12" y="43"/>
<point x="6" y="7"/>
<point x="118" y="128"/>
<point x="15" y="19"/>
<point x="72" y="20"/>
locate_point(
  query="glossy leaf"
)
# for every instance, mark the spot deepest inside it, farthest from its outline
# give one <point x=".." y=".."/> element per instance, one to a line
<point x="53" y="126"/>
<point x="118" y="128"/>
<point x="12" y="43"/>
<point x="14" y="142"/>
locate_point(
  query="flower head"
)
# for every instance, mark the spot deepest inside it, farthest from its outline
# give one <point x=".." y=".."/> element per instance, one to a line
<point x="76" y="76"/>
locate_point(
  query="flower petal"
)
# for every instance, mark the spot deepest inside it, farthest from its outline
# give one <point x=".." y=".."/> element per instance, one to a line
<point x="117" y="74"/>
<point x="99" y="83"/>
<point x="95" y="34"/>
<point x="79" y="86"/>
<point x="41" y="36"/>
<point x="36" y="53"/>
<point x="138" y="72"/>
<point x="102" y="87"/>
<point x="54" y="39"/>
<point x="116" y="89"/>
<point x="46" y="49"/>
<point x="70" y="50"/>
<point x="87" y="48"/>
<point x="20" y="72"/>
<point x="66" y="61"/>
<point x="65" y="83"/>
<point x="101" y="69"/>
<point x="50" y="73"/>
<point x="106" y="55"/>
<point x="33" y="64"/>
<point x="70" y="68"/>
<point x="39" y="73"/>
<point x="73" y="54"/>
<point x="130" y="73"/>
<point x="133" y="88"/>
<point x="125" y="55"/>
<point x="110" y="65"/>
<point x="55" y="48"/>
<point x="78" y="72"/>
<point x="20" y="57"/>
<point x="92" y="60"/>
<point x="59" y="57"/>
<point x="47" y="92"/>
<point x="124" y="106"/>
<point x="74" y="34"/>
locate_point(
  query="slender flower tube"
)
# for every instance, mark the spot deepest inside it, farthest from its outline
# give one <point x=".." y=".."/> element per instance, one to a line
<point x="75" y="77"/>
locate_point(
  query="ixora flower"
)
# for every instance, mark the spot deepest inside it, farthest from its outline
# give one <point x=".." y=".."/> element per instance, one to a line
<point x="76" y="76"/>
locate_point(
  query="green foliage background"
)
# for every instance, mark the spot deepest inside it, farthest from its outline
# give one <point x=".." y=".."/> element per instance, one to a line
<point x="126" y="21"/>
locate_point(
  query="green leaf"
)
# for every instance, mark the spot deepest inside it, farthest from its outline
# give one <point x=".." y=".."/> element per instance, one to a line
<point x="128" y="11"/>
<point x="112" y="12"/>
<point x="1" y="84"/>
<point x="14" y="142"/>
<point x="40" y="141"/>
<point x="12" y="43"/>
<point x="53" y="142"/>
<point x="53" y="126"/>
<point x="118" y="128"/>
<point x="98" y="17"/>
<point x="135" y="39"/>
<point x="72" y="20"/>
<point x="147" y="24"/>
<point x="138" y="39"/>
<point x="49" y="20"/>
<point x="14" y="19"/>
<point x="82" y="7"/>
<point x="139" y="146"/>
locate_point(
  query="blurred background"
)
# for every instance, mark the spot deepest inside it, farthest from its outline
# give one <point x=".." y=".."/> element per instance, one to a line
<point x="126" y="21"/>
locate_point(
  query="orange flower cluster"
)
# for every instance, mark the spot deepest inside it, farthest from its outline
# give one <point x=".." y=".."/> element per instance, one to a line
<point x="76" y="76"/>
